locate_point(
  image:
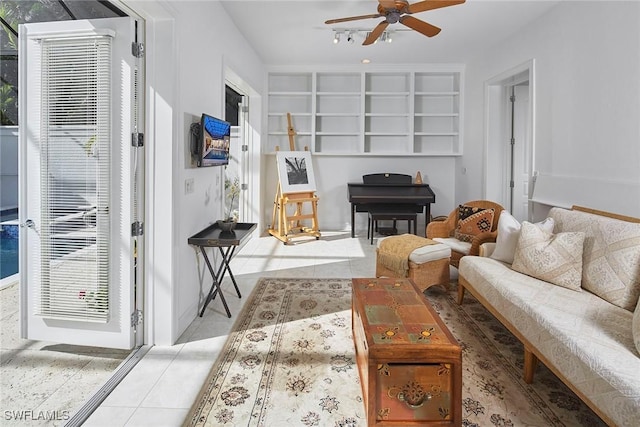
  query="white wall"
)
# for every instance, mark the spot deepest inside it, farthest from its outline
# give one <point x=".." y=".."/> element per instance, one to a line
<point x="587" y="88"/>
<point x="189" y="45"/>
<point x="332" y="174"/>
<point x="207" y="41"/>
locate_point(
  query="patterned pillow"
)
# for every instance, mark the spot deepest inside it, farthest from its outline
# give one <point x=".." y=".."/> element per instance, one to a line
<point x="554" y="258"/>
<point x="472" y="221"/>
<point x="611" y="255"/>
<point x="508" y="233"/>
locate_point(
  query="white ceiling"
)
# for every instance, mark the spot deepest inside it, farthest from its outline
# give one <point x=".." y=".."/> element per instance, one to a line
<point x="285" y="32"/>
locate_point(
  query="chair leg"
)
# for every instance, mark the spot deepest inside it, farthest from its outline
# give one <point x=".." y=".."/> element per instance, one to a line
<point x="460" y="293"/>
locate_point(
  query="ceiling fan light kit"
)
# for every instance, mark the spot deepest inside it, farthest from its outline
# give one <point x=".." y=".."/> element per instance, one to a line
<point x="399" y="11"/>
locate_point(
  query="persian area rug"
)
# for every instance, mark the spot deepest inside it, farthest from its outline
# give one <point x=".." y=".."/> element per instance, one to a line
<point x="290" y="360"/>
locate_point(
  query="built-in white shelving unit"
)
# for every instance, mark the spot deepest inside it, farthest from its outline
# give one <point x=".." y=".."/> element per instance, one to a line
<point x="382" y="113"/>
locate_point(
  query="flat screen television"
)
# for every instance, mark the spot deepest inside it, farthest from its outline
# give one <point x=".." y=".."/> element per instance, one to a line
<point x="212" y="143"/>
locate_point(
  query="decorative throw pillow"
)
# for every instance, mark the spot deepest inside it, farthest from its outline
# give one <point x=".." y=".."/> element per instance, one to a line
<point x="635" y="326"/>
<point x="554" y="258"/>
<point x="611" y="255"/>
<point x="472" y="221"/>
<point x="508" y="234"/>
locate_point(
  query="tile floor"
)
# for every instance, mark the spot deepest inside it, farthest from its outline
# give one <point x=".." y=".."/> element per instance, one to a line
<point x="161" y="388"/>
<point x="41" y="377"/>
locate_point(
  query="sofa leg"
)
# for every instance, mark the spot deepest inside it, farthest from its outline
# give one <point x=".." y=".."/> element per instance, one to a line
<point x="530" y="364"/>
<point x="460" y="293"/>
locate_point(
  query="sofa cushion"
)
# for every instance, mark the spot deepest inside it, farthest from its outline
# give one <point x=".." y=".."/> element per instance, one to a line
<point x="472" y="221"/>
<point x="582" y="336"/>
<point x="555" y="258"/>
<point x="508" y="234"/>
<point x="611" y="255"/>
<point x="636" y="327"/>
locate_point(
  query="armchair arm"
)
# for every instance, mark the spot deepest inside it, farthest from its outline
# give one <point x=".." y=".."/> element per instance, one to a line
<point x="486" y="237"/>
<point x="442" y="228"/>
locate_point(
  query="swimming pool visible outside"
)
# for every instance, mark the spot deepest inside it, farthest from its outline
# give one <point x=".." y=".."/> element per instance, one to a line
<point x="8" y="248"/>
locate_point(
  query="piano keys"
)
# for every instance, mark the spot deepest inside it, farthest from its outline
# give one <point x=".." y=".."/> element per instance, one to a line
<point x="389" y="192"/>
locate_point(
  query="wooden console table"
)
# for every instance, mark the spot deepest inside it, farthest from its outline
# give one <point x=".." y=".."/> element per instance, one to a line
<point x="410" y="365"/>
<point x="226" y="242"/>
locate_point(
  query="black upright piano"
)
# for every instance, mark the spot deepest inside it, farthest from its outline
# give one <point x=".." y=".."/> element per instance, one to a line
<point x="380" y="192"/>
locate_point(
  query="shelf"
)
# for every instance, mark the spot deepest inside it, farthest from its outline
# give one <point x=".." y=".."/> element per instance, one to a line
<point x="290" y="93"/>
<point x="386" y="133"/>
<point x="337" y="115"/>
<point x="437" y="93"/>
<point x="338" y="94"/>
<point x="398" y="94"/>
<point x="287" y="133"/>
<point x="436" y="115"/>
<point x="368" y="113"/>
<point x="386" y="114"/>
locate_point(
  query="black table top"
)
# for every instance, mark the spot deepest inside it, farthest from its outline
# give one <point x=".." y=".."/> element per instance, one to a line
<point x="214" y="236"/>
<point x="396" y="193"/>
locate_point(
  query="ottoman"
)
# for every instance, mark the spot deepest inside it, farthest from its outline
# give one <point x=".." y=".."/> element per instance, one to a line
<point x="428" y="265"/>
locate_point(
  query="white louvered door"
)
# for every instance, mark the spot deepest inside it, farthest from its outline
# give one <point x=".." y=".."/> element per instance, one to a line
<point x="77" y="83"/>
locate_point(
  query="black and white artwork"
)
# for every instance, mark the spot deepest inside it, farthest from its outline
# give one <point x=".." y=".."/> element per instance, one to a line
<point x="295" y="171"/>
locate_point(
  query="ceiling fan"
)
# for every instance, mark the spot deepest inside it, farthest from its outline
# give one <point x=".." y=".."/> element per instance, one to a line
<point x="399" y="11"/>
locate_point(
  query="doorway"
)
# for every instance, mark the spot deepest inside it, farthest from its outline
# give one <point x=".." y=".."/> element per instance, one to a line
<point x="243" y="111"/>
<point x="509" y="162"/>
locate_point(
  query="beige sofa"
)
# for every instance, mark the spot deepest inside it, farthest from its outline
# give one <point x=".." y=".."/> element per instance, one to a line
<point x="589" y="336"/>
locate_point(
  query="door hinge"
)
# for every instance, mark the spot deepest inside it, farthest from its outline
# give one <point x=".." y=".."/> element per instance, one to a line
<point x="244" y="186"/>
<point x="137" y="49"/>
<point x="245" y="147"/>
<point x="136" y="318"/>
<point x="512" y="98"/>
<point x="137" y="229"/>
<point x="244" y="108"/>
<point x="137" y="139"/>
<point x="511" y="184"/>
<point x="513" y="141"/>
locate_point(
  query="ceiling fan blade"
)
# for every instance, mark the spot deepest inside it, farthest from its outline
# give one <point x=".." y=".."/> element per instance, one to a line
<point x="420" y="26"/>
<point x="432" y="4"/>
<point x="352" y="18"/>
<point x="377" y="31"/>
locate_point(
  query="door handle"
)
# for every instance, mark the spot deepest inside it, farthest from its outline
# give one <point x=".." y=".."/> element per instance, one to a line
<point x="29" y="223"/>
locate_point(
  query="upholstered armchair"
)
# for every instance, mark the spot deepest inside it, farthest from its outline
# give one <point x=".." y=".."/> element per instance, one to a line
<point x="451" y="231"/>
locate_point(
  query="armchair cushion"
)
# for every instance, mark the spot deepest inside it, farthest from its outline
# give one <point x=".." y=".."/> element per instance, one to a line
<point x="472" y="221"/>
<point x="455" y="244"/>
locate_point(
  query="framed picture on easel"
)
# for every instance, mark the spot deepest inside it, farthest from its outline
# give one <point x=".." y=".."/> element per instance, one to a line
<point x="295" y="171"/>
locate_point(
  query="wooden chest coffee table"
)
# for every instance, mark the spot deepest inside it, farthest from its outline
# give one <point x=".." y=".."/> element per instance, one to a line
<point x="410" y="365"/>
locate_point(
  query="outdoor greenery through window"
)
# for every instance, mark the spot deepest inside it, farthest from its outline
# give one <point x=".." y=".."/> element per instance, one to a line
<point x="13" y="13"/>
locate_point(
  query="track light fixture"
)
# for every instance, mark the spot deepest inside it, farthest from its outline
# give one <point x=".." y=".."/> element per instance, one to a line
<point x="351" y="35"/>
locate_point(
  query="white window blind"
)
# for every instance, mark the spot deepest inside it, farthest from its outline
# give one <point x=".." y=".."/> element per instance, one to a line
<point x="75" y="178"/>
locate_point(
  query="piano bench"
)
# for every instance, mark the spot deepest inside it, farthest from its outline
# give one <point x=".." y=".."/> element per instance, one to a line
<point x="428" y="265"/>
<point x="374" y="217"/>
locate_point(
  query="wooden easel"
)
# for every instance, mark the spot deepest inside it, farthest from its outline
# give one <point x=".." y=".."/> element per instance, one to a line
<point x="285" y="226"/>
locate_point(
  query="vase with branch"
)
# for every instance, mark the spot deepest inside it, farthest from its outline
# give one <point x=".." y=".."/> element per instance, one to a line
<point x="232" y="192"/>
